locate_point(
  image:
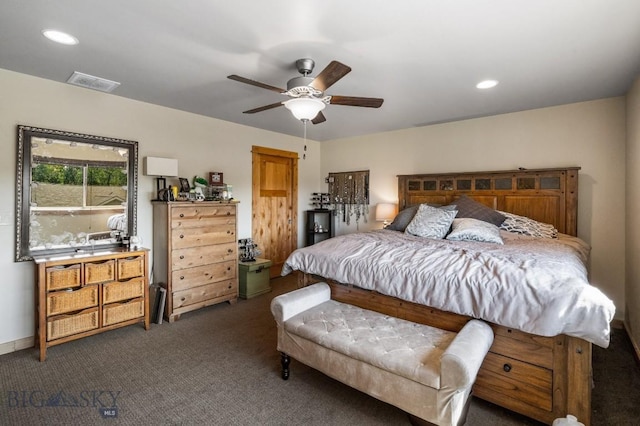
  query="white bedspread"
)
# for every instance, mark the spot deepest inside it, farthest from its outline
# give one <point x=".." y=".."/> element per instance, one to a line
<point x="536" y="285"/>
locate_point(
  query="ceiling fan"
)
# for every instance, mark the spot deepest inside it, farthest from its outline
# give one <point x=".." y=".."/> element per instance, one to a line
<point x="306" y="94"/>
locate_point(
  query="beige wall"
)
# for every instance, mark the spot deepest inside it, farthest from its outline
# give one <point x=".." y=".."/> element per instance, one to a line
<point x="589" y="134"/>
<point x="632" y="311"/>
<point x="200" y="144"/>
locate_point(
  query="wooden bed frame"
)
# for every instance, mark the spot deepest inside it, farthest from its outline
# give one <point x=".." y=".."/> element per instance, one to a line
<point x="540" y="377"/>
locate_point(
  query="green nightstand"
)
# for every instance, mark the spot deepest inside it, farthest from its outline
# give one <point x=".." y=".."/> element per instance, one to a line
<point x="254" y="278"/>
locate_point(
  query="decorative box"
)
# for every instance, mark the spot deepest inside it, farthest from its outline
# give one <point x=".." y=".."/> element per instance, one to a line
<point x="254" y="278"/>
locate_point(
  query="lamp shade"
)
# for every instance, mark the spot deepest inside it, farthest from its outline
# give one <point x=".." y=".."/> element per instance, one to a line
<point x="385" y="212"/>
<point x="304" y="108"/>
<point x="156" y="166"/>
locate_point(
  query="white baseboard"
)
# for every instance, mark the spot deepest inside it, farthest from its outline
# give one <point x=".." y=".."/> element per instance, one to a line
<point x="17" y="345"/>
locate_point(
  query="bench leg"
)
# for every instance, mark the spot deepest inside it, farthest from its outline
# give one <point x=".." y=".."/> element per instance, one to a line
<point x="285" y="360"/>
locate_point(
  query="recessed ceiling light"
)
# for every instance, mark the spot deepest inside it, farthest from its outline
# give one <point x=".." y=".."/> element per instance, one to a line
<point x="60" y="37"/>
<point x="487" y="84"/>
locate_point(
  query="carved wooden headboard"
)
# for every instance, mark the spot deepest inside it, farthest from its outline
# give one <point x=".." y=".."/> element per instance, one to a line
<point x="546" y="195"/>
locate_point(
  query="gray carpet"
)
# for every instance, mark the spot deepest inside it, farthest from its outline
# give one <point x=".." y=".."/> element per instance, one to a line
<point x="219" y="366"/>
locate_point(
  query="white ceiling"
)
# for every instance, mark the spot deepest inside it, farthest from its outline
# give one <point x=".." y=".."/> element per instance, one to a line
<point x="423" y="57"/>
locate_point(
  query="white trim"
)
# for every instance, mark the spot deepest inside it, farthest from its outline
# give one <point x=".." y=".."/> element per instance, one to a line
<point x="17" y="345"/>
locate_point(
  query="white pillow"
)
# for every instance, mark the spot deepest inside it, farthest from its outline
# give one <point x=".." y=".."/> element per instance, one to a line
<point x="431" y="222"/>
<point x="524" y="225"/>
<point x="468" y="229"/>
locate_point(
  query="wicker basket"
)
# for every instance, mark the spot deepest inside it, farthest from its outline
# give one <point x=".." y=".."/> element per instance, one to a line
<point x="117" y="291"/>
<point x="119" y="312"/>
<point x="66" y="325"/>
<point x="130" y="267"/>
<point x="95" y="273"/>
<point x="61" y="302"/>
<point x="59" y="277"/>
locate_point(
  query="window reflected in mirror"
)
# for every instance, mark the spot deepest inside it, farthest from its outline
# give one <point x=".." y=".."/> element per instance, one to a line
<point x="75" y="191"/>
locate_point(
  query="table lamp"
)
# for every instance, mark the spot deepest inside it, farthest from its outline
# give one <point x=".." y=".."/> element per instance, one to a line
<point x="161" y="167"/>
<point x="385" y="212"/>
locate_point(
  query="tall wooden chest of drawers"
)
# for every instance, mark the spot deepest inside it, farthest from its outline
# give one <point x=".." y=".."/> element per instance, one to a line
<point x="86" y="293"/>
<point x="195" y="254"/>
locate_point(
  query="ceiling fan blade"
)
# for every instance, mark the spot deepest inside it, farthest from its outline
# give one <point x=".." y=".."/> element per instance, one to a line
<point x="255" y="83"/>
<point x="356" y="101"/>
<point x="320" y="118"/>
<point x="332" y="73"/>
<point x="263" y="108"/>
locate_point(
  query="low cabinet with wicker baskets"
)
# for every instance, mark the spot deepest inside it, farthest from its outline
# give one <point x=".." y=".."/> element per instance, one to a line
<point x="83" y="294"/>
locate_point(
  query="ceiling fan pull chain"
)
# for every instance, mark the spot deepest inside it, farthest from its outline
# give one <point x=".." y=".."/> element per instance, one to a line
<point x="304" y="156"/>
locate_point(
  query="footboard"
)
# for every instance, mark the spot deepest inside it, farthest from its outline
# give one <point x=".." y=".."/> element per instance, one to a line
<point x="540" y="377"/>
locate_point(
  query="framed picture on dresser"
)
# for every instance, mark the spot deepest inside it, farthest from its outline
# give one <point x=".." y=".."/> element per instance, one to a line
<point x="215" y="178"/>
<point x="184" y="185"/>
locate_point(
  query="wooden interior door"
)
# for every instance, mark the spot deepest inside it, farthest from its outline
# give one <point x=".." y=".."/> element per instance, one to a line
<point x="274" y="223"/>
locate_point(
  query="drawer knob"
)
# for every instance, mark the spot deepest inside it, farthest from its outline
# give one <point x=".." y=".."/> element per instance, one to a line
<point x="506" y="367"/>
<point x="182" y="278"/>
<point x="181" y="236"/>
<point x="228" y="213"/>
<point x="229" y="268"/>
<point x="181" y="214"/>
<point x="181" y="256"/>
<point x="229" y="251"/>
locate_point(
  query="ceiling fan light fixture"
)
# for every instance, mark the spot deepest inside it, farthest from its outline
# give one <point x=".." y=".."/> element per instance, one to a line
<point x="308" y="94"/>
<point x="304" y="108"/>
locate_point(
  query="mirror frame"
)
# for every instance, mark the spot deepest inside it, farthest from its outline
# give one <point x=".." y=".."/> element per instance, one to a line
<point x="23" y="184"/>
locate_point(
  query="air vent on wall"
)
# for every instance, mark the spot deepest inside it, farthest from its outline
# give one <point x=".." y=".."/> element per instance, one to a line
<point x="92" y="82"/>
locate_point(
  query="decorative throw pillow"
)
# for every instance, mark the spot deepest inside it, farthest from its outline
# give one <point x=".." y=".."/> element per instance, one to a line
<point x="404" y="217"/>
<point x="468" y="229"/>
<point x="524" y="225"/>
<point x="431" y="222"/>
<point x="468" y="207"/>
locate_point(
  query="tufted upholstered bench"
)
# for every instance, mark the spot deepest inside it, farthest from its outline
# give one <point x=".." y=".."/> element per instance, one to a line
<point x="424" y="371"/>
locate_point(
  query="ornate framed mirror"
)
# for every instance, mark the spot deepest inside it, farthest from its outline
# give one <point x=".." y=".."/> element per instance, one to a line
<point x="73" y="191"/>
